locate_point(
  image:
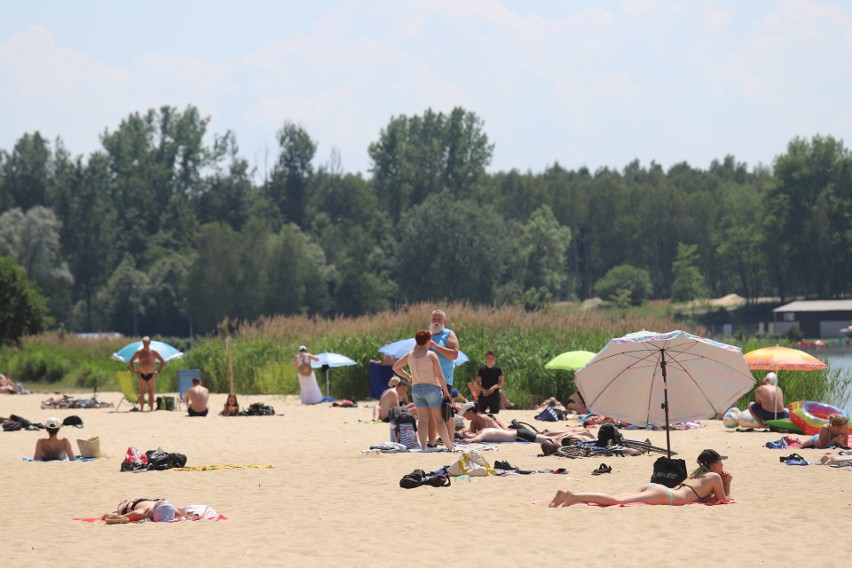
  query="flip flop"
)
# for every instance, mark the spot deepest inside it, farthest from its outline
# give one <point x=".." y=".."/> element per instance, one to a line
<point x="603" y="468"/>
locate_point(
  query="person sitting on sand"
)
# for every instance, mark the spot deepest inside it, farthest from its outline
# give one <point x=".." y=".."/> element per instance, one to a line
<point x="710" y="483"/>
<point x="478" y="420"/>
<point x="232" y="407"/>
<point x="53" y="448"/>
<point x="768" y="401"/>
<point x="196" y="398"/>
<point x="7" y="386"/>
<point x="835" y="433"/>
<point x="576" y="403"/>
<point x="395" y="395"/>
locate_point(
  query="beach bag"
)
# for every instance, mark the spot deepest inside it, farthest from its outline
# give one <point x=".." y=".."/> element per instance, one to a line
<point x="447" y="410"/>
<point x="473" y="464"/>
<point x="608" y="433"/>
<point x="90" y="448"/>
<point x="669" y="472"/>
<point x="258" y="409"/>
<point x="548" y="414"/>
<point x="134" y="460"/>
<point x="403" y="427"/>
<point x="304" y="365"/>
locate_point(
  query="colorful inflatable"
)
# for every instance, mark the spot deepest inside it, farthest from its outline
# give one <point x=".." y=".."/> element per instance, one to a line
<point x="810" y="416"/>
<point x="746" y="420"/>
<point x="730" y="417"/>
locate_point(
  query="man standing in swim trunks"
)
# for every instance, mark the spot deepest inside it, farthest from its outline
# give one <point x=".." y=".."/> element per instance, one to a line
<point x="146" y="370"/>
<point x="768" y="401"/>
<point x="446" y="345"/>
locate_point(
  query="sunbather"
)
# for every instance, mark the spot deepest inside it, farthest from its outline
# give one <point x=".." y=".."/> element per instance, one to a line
<point x="53" y="448"/>
<point x="157" y="510"/>
<point x="710" y="483"/>
<point x="478" y="420"/>
<point x="835" y="433"/>
<point x="394" y="395"/>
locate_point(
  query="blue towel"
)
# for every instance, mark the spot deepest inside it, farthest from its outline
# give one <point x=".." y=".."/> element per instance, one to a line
<point x="79" y="459"/>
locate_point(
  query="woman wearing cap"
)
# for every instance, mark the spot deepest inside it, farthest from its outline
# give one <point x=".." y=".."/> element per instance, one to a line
<point x="429" y="388"/>
<point x="478" y="421"/>
<point x="710" y="483"/>
<point x="311" y="393"/>
<point x="157" y="510"/>
<point x="53" y="448"/>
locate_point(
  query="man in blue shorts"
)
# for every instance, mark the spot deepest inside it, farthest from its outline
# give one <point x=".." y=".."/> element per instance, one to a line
<point x="768" y="401"/>
<point x="446" y="345"/>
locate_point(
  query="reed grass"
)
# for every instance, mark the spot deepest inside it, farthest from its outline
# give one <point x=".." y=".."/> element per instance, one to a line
<point x="262" y="352"/>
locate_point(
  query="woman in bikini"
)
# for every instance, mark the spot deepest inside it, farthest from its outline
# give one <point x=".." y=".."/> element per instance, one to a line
<point x="710" y="483"/>
<point x="157" y="510"/>
<point x="835" y="433"/>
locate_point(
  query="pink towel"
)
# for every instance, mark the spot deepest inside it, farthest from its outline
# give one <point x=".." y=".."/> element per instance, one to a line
<point x="95" y="519"/>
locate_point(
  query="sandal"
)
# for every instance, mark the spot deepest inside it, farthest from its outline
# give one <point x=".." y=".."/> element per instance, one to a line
<point x="791" y="457"/>
<point x="440" y="480"/>
<point x="603" y="468"/>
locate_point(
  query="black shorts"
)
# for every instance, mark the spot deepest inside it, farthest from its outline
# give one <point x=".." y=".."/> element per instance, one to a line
<point x="525" y="435"/>
<point x="146" y="376"/>
<point x="194" y="413"/>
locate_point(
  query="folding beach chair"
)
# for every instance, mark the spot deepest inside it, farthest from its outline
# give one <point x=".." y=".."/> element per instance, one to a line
<point x="185" y="377"/>
<point x="128" y="388"/>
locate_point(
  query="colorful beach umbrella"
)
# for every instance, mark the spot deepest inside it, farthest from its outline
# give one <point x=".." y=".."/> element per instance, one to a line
<point x="779" y="358"/>
<point x="402" y="347"/>
<point x="166" y="351"/>
<point x="634" y="377"/>
<point x="570" y="360"/>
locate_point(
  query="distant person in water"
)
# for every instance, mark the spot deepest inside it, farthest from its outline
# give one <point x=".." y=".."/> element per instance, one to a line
<point x="53" y="448"/>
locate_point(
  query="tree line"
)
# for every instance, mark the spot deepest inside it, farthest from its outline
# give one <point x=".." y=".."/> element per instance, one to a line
<point x="161" y="232"/>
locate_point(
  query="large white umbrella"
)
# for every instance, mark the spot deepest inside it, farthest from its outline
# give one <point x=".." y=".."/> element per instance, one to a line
<point x="634" y="377"/>
<point x="327" y="360"/>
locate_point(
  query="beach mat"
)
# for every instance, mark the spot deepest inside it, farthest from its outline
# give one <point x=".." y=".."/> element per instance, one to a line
<point x="79" y="459"/>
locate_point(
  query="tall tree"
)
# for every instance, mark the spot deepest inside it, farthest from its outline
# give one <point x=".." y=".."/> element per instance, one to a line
<point x="26" y="174"/>
<point x="290" y="181"/>
<point x="688" y="284"/>
<point x="23" y="307"/>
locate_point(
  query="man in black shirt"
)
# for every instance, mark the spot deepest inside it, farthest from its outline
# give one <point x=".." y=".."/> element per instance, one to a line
<point x="489" y="381"/>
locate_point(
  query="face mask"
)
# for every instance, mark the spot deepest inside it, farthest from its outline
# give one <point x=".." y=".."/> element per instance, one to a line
<point x="436" y="328"/>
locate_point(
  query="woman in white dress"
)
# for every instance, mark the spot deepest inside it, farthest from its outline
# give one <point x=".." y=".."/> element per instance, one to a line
<point x="311" y="393"/>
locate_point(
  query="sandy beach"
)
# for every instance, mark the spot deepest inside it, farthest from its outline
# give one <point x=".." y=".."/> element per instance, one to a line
<point x="324" y="502"/>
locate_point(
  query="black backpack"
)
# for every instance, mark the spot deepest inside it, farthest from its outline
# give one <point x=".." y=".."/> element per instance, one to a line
<point x="609" y="433"/>
<point x="258" y="409"/>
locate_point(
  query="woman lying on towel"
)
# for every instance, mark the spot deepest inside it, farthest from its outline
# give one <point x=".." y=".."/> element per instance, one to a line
<point x="710" y="483"/>
<point x="157" y="510"/>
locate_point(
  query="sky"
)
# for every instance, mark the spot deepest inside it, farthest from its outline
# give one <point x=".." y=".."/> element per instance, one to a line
<point x="581" y="83"/>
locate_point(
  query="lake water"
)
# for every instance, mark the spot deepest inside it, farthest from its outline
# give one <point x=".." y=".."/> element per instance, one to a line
<point x="839" y="362"/>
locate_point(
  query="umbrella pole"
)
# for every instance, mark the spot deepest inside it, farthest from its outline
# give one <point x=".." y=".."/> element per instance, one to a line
<point x="666" y="401"/>
<point x="327" y="388"/>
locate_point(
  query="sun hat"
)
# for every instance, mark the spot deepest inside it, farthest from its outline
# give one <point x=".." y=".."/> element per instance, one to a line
<point x="707" y="457"/>
<point x="302" y="348"/>
<point x="53" y="423"/>
<point x="467" y="406"/>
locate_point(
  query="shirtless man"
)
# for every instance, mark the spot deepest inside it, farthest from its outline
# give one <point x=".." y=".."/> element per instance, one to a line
<point x="146" y="370"/>
<point x="196" y="398"/>
<point x="478" y="421"/>
<point x="768" y="401"/>
<point x="53" y="448"/>
<point x="395" y="395"/>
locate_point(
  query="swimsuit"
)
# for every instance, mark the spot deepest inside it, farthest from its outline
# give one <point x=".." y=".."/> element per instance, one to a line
<point x="764" y="414"/>
<point x="196" y="413"/>
<point x="147" y="376"/>
<point x="671" y="493"/>
<point x="700" y="499"/>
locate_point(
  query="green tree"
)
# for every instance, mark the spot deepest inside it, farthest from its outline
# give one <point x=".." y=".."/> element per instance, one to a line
<point x="23" y="309"/>
<point x="120" y="305"/>
<point x="625" y="277"/>
<point x="449" y="248"/>
<point x="26" y="174"/>
<point x="688" y="283"/>
<point x="288" y="188"/>
<point x="213" y="282"/>
<point x="423" y="155"/>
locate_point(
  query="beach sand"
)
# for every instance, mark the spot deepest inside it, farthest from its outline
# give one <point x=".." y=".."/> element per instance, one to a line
<point x="324" y="502"/>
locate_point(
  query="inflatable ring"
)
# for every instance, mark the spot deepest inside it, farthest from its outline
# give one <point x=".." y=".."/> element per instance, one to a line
<point x="810" y="416"/>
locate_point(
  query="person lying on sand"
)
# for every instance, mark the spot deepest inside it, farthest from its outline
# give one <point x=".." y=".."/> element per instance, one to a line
<point x="157" y="510"/>
<point x="830" y="458"/>
<point x="835" y="433"/>
<point x="478" y="421"/>
<point x="710" y="483"/>
<point x="53" y="448"/>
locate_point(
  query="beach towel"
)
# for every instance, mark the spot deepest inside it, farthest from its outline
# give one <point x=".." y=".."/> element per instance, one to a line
<point x="79" y="459"/>
<point x="216" y="518"/>
<point x="219" y="467"/>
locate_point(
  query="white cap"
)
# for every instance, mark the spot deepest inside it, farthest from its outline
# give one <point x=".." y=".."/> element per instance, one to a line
<point x="302" y="348"/>
<point x="467" y="406"/>
<point x="773" y="378"/>
<point x="53" y="423"/>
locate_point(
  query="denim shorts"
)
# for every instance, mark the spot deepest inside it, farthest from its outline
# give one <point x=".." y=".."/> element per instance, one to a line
<point x="427" y="396"/>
